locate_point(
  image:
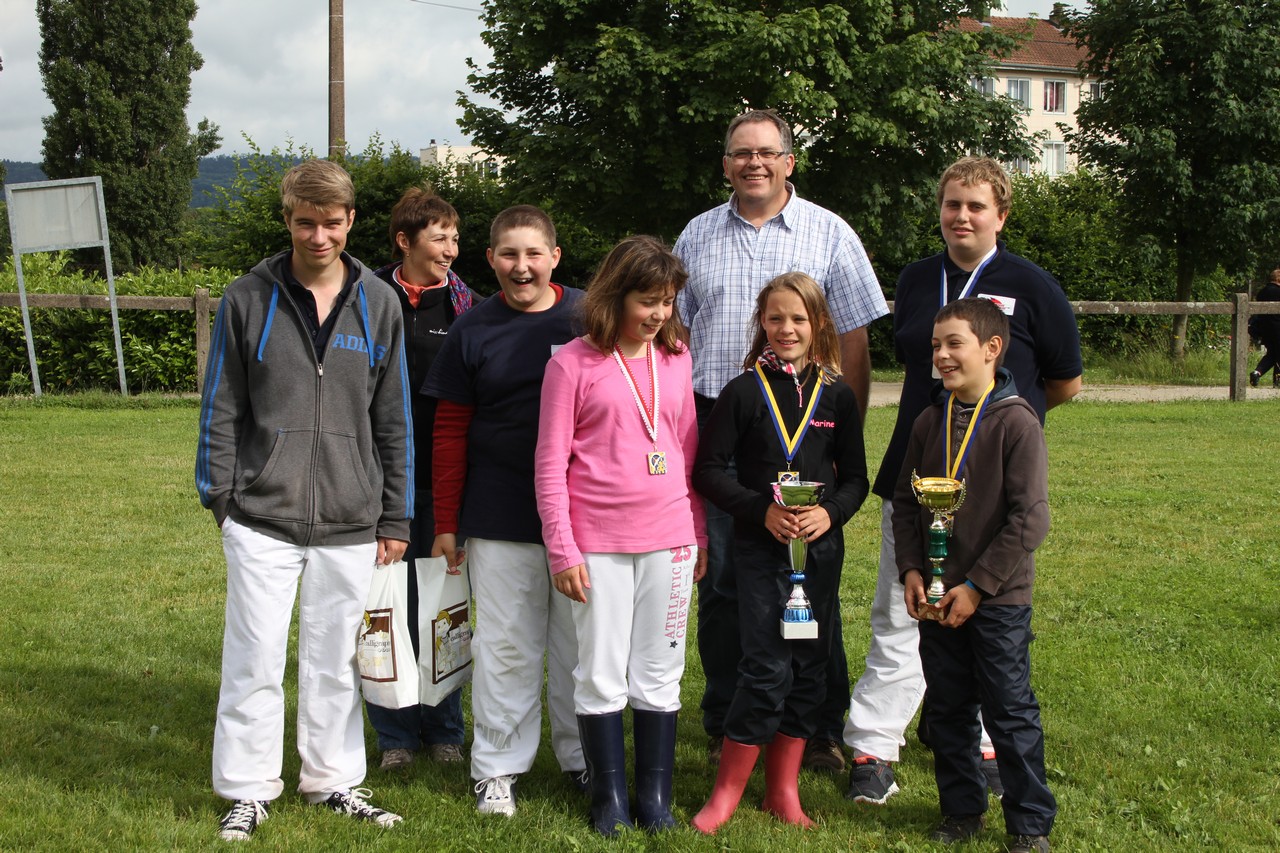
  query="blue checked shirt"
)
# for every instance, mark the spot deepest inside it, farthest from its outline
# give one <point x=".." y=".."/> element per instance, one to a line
<point x="729" y="260"/>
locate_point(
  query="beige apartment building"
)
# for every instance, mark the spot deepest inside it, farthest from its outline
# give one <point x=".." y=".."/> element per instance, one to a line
<point x="462" y="158"/>
<point x="1043" y="75"/>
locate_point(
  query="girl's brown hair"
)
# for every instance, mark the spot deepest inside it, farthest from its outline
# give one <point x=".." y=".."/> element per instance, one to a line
<point x="824" y="346"/>
<point x="637" y="264"/>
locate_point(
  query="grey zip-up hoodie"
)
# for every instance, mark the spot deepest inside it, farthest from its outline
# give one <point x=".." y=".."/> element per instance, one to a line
<point x="305" y="451"/>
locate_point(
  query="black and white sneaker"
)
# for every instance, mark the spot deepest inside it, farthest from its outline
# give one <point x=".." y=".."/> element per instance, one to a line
<point x="354" y="803"/>
<point x="496" y="795"/>
<point x="244" y="817"/>
<point x="871" y="781"/>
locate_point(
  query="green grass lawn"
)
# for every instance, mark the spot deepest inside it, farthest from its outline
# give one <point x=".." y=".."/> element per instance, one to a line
<point x="1156" y="660"/>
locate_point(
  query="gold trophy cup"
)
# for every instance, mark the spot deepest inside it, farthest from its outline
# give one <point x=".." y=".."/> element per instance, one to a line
<point x="942" y="496"/>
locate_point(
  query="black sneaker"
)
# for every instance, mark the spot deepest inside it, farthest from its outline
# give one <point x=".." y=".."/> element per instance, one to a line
<point x="871" y="781"/>
<point x="244" y="817"/>
<point x="1029" y="844"/>
<point x="580" y="780"/>
<point x="823" y="753"/>
<point x="955" y="828"/>
<point x="354" y="803"/>
<point x="1254" y="377"/>
<point x="991" y="770"/>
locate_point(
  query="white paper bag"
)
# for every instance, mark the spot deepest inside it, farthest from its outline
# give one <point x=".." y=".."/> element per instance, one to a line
<point x="384" y="651"/>
<point x="444" y="629"/>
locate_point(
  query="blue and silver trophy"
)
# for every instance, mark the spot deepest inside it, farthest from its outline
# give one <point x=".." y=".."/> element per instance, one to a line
<point x="797" y="618"/>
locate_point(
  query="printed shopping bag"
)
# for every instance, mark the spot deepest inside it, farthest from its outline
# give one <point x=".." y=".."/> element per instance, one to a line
<point x="444" y="627"/>
<point x="384" y="651"/>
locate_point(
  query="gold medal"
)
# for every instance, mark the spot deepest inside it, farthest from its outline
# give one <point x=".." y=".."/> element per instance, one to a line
<point x="655" y="459"/>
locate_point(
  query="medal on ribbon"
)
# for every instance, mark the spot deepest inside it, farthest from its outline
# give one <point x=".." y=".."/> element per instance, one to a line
<point x="790" y="442"/>
<point x="655" y="459"/>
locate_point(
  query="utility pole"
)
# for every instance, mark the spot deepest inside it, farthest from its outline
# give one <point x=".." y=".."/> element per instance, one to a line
<point x="337" y="92"/>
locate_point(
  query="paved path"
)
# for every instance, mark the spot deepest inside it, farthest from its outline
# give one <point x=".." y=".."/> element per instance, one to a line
<point x="887" y="393"/>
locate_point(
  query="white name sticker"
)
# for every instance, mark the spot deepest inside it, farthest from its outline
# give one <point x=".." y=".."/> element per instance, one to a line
<point x="1005" y="303"/>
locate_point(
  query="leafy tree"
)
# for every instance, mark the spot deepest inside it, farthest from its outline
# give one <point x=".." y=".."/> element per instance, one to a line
<point x="1188" y="126"/>
<point x="119" y="77"/>
<point x="618" y="111"/>
<point x="246" y="225"/>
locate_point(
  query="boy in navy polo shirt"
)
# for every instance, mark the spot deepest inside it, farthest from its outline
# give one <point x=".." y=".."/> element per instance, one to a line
<point x="488" y="379"/>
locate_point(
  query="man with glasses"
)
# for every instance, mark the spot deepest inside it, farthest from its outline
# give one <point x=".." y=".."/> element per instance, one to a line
<point x="731" y="252"/>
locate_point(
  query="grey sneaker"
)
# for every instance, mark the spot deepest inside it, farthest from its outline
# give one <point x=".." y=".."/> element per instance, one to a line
<point x="244" y="817"/>
<point x="823" y="753"/>
<point x="354" y="803"/>
<point x="957" y="828"/>
<point x="1028" y="844"/>
<point x="396" y="759"/>
<point x="496" y="795"/>
<point x="715" y="745"/>
<point x="871" y="781"/>
<point x="991" y="770"/>
<point x="445" y="753"/>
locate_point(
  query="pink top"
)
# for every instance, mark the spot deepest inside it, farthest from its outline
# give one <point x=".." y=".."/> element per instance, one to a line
<point x="595" y="492"/>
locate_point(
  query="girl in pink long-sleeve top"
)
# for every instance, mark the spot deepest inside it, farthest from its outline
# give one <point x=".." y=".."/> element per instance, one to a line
<point x="624" y="532"/>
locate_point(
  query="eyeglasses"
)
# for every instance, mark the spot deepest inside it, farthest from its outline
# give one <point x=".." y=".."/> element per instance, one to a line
<point x="742" y="158"/>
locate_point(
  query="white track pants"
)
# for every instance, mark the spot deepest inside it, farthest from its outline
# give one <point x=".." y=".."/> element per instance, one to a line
<point x="519" y="617"/>
<point x="631" y="631"/>
<point x="888" y="694"/>
<point x="248" y="740"/>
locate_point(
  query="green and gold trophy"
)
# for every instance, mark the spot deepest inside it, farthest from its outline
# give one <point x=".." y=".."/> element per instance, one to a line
<point x="942" y="496"/>
<point x="797" y="617"/>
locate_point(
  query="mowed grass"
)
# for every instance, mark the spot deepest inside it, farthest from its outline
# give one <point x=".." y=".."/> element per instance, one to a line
<point x="1156" y="659"/>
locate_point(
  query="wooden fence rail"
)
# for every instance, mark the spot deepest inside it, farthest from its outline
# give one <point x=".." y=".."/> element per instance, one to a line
<point x="1241" y="308"/>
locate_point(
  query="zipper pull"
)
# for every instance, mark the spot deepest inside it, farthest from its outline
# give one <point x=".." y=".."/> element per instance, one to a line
<point x="320" y="368"/>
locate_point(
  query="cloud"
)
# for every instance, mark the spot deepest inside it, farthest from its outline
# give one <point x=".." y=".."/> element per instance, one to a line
<point x="266" y="73"/>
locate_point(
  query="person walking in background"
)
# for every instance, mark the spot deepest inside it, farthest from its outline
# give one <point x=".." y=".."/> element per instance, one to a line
<point x="1043" y="354"/>
<point x="1266" y="328"/>
<point x="305" y="458"/>
<point x="764" y="230"/>
<point x="424" y="239"/>
<point x="625" y="534"/>
<point x="786" y="413"/>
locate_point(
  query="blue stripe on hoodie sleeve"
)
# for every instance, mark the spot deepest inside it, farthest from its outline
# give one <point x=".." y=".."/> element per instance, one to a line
<point x="410" y="458"/>
<point x="213" y="379"/>
<point x="271" y="316"/>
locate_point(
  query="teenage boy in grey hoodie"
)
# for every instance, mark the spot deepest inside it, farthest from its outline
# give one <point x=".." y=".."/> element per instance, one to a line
<point x="305" y="458"/>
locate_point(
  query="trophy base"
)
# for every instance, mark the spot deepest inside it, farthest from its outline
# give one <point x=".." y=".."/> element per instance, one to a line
<point x="798" y="630"/>
<point x="931" y="612"/>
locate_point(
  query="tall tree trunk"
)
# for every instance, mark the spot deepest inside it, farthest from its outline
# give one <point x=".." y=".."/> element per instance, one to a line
<point x="1186" y="275"/>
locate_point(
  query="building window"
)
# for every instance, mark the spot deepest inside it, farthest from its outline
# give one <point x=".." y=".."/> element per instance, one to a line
<point x="1055" y="96"/>
<point x="1019" y="165"/>
<point x="1020" y="91"/>
<point x="1053" y="158"/>
<point x="1095" y="89"/>
<point x="986" y="86"/>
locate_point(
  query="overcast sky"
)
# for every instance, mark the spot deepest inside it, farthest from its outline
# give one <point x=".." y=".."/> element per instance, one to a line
<point x="265" y="71"/>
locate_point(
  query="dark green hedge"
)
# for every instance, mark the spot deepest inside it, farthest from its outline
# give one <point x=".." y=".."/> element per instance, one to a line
<point x="75" y="349"/>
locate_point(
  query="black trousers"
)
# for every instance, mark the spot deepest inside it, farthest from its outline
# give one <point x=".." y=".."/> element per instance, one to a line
<point x="986" y="663"/>
<point x="718" y="645"/>
<point x="782" y="683"/>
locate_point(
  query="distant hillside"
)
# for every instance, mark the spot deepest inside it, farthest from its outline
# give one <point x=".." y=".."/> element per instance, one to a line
<point x="217" y="171"/>
<point x="18" y="172"/>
